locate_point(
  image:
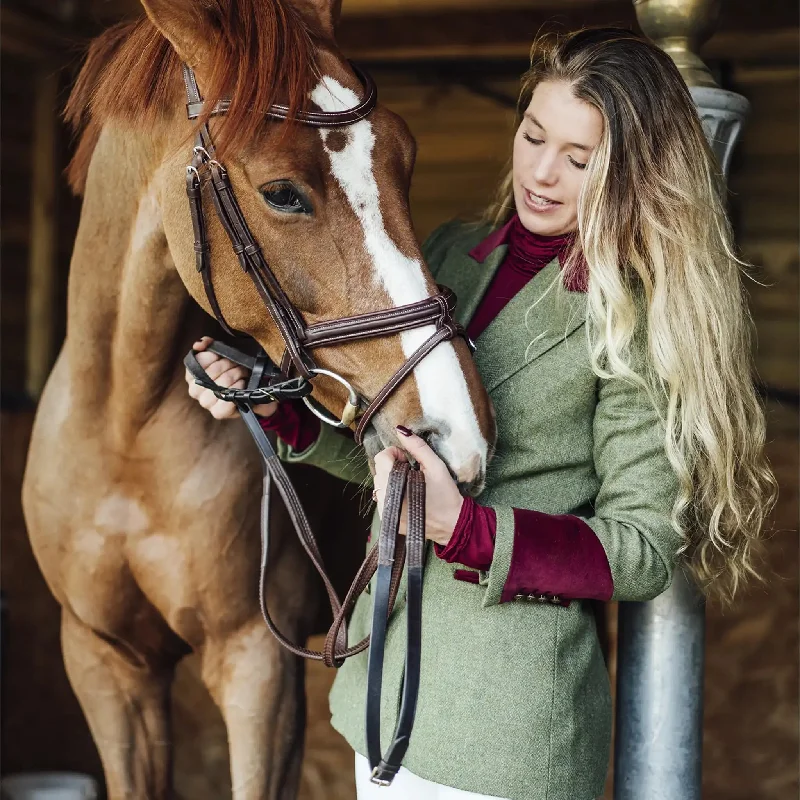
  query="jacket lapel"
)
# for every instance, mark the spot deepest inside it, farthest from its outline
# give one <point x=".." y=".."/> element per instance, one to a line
<point x="468" y="278"/>
<point x="541" y="315"/>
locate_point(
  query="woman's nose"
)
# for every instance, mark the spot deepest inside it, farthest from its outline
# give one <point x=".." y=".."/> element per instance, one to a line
<point x="545" y="170"/>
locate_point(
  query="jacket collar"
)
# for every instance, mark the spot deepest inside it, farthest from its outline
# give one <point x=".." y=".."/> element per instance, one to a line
<point x="482" y="250"/>
<point x="540" y="316"/>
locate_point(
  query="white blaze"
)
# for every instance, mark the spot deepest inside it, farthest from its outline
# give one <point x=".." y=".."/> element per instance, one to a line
<point x="443" y="391"/>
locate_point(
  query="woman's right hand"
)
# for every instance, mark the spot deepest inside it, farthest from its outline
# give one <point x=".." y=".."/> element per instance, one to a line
<point x="226" y="374"/>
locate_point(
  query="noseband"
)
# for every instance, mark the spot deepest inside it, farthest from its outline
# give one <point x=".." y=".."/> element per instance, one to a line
<point x="292" y="380"/>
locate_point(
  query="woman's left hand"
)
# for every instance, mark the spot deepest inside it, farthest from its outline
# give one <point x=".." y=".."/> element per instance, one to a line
<point x="442" y="498"/>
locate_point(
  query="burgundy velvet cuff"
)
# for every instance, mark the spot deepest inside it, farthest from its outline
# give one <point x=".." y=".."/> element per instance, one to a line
<point x="556" y="556"/>
<point x="472" y="542"/>
<point x="294" y="424"/>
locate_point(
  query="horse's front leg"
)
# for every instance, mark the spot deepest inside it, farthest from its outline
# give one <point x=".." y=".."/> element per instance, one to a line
<point x="126" y="702"/>
<point x="259" y="688"/>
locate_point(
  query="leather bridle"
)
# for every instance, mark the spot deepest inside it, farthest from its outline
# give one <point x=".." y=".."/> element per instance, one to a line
<point x="299" y="339"/>
<point x="293" y="381"/>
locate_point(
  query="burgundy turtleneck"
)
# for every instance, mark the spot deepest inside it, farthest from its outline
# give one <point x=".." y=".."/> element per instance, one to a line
<point x="528" y="253"/>
<point x="553" y="555"/>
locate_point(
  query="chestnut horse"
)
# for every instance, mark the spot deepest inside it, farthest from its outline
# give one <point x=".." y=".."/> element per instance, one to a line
<point x="142" y="509"/>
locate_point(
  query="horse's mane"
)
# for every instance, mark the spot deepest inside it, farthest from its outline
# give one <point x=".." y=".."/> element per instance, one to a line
<point x="258" y="50"/>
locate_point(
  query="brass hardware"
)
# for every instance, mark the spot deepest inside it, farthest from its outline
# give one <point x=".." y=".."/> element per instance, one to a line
<point x="680" y="28"/>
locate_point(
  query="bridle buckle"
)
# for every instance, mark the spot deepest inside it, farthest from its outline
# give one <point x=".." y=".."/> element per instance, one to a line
<point x="378" y="781"/>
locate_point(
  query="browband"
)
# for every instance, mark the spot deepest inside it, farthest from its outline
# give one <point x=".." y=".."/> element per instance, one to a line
<point x="317" y="119"/>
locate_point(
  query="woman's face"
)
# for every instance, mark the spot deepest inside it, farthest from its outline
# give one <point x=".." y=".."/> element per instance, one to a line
<point x="551" y="148"/>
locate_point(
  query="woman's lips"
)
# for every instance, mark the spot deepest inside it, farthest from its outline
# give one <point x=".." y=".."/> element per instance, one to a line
<point x="539" y="204"/>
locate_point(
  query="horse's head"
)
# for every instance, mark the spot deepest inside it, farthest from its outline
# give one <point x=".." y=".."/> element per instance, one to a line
<point x="328" y="208"/>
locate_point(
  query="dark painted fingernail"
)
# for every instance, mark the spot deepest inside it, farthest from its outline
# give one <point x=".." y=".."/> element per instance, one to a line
<point x="405" y="431"/>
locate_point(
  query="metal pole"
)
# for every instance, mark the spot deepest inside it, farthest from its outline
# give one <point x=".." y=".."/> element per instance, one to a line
<point x="658" y="747"/>
<point x="659" y="733"/>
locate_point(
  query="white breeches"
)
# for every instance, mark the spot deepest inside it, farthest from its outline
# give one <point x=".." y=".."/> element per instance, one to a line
<point x="407" y="786"/>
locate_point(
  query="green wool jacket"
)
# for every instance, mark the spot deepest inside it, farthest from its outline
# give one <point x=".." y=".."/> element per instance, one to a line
<point x="514" y="700"/>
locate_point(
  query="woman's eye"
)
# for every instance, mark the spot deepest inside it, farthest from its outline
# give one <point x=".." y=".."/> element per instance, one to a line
<point x="284" y="197"/>
<point x="531" y="139"/>
<point x="577" y="164"/>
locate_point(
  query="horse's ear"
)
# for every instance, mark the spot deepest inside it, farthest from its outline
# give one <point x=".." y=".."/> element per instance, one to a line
<point x="322" y="15"/>
<point x="182" y="23"/>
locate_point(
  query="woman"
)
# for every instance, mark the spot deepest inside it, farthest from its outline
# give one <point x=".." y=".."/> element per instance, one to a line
<point x="613" y="338"/>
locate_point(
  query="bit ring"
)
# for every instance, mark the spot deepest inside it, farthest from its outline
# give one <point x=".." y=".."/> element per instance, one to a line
<point x="351" y="408"/>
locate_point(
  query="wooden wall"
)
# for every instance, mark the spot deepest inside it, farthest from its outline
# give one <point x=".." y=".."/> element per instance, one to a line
<point x="16" y="131"/>
<point x="37" y="227"/>
<point x="764" y="184"/>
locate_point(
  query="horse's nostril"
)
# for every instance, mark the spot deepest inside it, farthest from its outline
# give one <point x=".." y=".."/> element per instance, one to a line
<point x="471" y="488"/>
<point x="427" y="435"/>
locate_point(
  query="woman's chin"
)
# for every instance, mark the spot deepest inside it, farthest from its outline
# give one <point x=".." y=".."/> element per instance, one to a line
<point x="541" y="223"/>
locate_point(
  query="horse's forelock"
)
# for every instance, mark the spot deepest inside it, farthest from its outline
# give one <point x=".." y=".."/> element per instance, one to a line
<point x="258" y="54"/>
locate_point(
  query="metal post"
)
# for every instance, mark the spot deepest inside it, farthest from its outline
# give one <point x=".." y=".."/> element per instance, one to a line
<point x="660" y="696"/>
<point x="659" y="732"/>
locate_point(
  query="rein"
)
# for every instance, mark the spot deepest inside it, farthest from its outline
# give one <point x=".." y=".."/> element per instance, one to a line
<point x="268" y="382"/>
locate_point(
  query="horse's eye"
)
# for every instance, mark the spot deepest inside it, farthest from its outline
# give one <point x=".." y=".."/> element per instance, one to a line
<point x="282" y="196"/>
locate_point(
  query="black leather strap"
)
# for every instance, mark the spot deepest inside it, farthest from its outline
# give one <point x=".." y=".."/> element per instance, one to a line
<point x="276" y="386"/>
<point x="202" y="249"/>
<point x="442" y="334"/>
<point x="384" y="768"/>
<point x="253" y="263"/>
<point x="336" y="648"/>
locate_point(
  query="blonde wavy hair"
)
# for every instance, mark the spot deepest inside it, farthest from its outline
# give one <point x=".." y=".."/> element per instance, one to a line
<point x="652" y="224"/>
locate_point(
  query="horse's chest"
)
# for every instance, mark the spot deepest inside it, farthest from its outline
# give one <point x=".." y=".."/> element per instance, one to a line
<point x="167" y="546"/>
<point x="97" y="578"/>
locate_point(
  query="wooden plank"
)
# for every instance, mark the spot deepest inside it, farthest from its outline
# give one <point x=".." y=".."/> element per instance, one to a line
<point x="770" y="74"/>
<point x="769" y="137"/>
<point x="381" y="8"/>
<point x="777" y="353"/>
<point x="771" y="45"/>
<point x="779" y="251"/>
<point x="776" y="45"/>
<point x="745" y="31"/>
<point x="766" y="173"/>
<point x="110" y="9"/>
<point x="42" y="263"/>
<point x="762" y="220"/>
<point x="770" y="101"/>
<point x="15" y="230"/>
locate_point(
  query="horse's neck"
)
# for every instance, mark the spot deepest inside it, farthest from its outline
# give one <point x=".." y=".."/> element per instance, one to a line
<point x="127" y="304"/>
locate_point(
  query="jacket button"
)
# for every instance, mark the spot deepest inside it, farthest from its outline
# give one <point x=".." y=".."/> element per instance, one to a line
<point x="531" y="597"/>
<point x="542" y="598"/>
<point x="555" y="599"/>
<point x="519" y="596"/>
